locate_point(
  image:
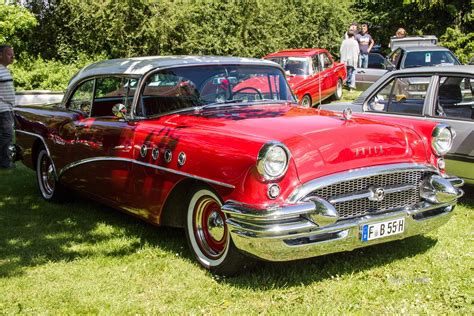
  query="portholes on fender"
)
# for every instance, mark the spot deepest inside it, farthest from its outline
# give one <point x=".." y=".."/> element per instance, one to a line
<point x="155" y="153"/>
<point x="143" y="150"/>
<point x="181" y="158"/>
<point x="168" y="155"/>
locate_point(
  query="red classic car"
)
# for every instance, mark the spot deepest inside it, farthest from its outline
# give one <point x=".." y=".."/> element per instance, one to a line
<point x="170" y="140"/>
<point x="312" y="74"/>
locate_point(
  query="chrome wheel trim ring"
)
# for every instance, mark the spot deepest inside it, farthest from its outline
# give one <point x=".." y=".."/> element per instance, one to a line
<point x="46" y="176"/>
<point x="209" y="227"/>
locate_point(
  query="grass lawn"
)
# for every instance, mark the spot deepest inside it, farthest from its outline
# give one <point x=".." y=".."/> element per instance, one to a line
<point x="82" y="257"/>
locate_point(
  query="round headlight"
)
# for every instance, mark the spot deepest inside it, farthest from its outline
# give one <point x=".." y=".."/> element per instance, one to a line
<point x="442" y="140"/>
<point x="272" y="160"/>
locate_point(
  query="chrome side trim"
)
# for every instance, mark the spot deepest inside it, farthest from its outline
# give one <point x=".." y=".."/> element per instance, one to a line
<point x="238" y="210"/>
<point x="368" y="194"/>
<point x="311" y="186"/>
<point x="45" y="146"/>
<point x="145" y="164"/>
<point x="35" y="135"/>
<point x="455" y="181"/>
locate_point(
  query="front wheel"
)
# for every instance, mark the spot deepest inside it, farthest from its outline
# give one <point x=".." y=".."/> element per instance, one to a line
<point x="208" y="235"/>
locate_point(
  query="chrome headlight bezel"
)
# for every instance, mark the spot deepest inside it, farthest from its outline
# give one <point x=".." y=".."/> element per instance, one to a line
<point x="442" y="139"/>
<point x="273" y="152"/>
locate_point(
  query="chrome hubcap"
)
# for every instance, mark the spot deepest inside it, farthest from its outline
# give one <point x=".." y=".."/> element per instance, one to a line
<point x="210" y="229"/>
<point x="216" y="226"/>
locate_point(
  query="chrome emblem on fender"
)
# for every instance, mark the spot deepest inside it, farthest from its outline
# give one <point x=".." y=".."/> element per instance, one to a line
<point x="378" y="194"/>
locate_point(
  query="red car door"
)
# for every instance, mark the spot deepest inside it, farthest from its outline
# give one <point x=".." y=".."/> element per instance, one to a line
<point x="315" y="80"/>
<point x="328" y="76"/>
<point x="98" y="156"/>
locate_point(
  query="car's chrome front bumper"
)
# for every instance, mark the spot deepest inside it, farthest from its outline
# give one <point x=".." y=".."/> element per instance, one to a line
<point x="292" y="231"/>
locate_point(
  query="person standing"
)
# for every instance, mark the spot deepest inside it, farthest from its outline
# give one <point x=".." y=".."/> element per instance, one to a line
<point x="7" y="102"/>
<point x="400" y="33"/>
<point x="353" y="29"/>
<point x="365" y="46"/>
<point x="350" y="57"/>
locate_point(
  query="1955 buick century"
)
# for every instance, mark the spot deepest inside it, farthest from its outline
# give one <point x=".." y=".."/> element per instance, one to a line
<point x="191" y="142"/>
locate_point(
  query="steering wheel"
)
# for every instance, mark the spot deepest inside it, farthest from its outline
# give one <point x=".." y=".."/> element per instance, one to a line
<point x="248" y="88"/>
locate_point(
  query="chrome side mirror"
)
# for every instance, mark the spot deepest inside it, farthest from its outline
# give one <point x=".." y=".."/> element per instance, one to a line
<point x="119" y="110"/>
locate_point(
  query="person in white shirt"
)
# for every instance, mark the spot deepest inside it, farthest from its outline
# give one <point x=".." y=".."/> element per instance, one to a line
<point x="350" y="57"/>
<point x="7" y="102"/>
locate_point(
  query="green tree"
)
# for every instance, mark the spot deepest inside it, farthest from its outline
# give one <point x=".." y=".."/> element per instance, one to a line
<point x="15" y="22"/>
<point x="147" y="27"/>
<point x="418" y="17"/>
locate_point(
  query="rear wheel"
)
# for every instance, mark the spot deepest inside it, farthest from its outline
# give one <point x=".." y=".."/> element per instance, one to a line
<point x="338" y="93"/>
<point x="46" y="176"/>
<point x="208" y="235"/>
<point x="306" y="101"/>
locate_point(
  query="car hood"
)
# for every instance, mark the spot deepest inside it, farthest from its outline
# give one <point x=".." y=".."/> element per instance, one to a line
<point x="321" y="142"/>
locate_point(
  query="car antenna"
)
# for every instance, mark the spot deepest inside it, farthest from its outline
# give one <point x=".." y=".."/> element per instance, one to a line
<point x="321" y="63"/>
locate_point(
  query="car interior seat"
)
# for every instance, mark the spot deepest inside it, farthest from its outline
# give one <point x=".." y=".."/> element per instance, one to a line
<point x="449" y="99"/>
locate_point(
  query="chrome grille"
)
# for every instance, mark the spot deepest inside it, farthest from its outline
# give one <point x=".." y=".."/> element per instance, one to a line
<point x="363" y="206"/>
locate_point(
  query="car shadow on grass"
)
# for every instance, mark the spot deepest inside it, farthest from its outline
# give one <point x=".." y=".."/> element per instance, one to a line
<point x="270" y="275"/>
<point x="35" y="232"/>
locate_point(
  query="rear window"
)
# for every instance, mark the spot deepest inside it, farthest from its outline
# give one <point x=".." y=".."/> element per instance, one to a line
<point x="433" y="58"/>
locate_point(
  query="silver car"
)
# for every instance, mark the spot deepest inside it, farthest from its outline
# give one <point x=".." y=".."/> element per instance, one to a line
<point x="441" y="94"/>
<point x="402" y="58"/>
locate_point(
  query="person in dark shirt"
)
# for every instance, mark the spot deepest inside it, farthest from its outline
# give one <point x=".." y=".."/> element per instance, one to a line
<point x="365" y="46"/>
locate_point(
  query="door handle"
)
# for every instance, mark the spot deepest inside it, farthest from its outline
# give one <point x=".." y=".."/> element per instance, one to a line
<point x="361" y="72"/>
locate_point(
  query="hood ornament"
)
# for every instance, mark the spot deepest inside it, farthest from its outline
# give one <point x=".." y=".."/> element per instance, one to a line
<point x="347" y="113"/>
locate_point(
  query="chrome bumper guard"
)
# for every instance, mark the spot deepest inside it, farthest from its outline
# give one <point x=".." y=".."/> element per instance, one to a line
<point x="311" y="228"/>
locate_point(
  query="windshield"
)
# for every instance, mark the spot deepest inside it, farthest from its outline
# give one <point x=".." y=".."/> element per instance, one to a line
<point x="433" y="58"/>
<point x="298" y="66"/>
<point x="189" y="87"/>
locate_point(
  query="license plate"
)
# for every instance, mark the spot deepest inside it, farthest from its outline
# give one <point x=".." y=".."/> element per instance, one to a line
<point x="383" y="229"/>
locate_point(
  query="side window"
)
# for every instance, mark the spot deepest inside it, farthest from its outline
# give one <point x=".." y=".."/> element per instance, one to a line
<point x="401" y="95"/>
<point x="316" y="63"/>
<point x="327" y="61"/>
<point x="165" y="92"/>
<point x="81" y="100"/>
<point x="455" y="98"/>
<point x="376" y="61"/>
<point x="110" y="91"/>
<point x="394" y="57"/>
